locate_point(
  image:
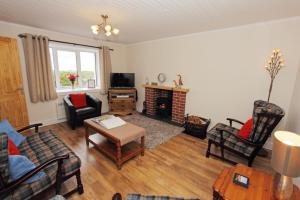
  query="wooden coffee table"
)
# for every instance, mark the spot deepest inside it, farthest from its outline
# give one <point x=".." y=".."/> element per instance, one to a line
<point x="117" y="143"/>
<point x="260" y="188"/>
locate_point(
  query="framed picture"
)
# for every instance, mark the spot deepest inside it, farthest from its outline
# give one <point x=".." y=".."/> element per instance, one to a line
<point x="91" y="83"/>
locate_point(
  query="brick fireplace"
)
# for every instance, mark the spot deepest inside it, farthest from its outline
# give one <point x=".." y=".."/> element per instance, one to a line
<point x="165" y="102"/>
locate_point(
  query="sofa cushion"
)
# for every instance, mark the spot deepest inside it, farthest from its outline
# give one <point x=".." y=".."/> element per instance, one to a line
<point x="230" y="140"/>
<point x="78" y="100"/>
<point x="85" y="111"/>
<point x="40" y="147"/>
<point x="246" y="129"/>
<point x="12" y="148"/>
<point x="26" y="191"/>
<point x="20" y="165"/>
<point x="16" y="137"/>
<point x="4" y="157"/>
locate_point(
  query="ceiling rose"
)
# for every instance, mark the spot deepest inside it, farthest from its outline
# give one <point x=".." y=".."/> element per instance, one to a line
<point x="104" y="27"/>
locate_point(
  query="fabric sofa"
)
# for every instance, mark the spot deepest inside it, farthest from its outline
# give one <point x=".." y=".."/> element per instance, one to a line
<point x="49" y="154"/>
<point x="75" y="116"/>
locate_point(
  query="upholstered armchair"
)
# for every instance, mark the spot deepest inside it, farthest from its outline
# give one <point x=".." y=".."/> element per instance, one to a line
<point x="75" y="116"/>
<point x="266" y="116"/>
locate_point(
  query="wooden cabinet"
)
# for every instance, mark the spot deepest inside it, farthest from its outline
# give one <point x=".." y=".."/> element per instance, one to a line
<point x="122" y="101"/>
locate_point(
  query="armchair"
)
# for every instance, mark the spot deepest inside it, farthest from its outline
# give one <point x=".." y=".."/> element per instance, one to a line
<point x="266" y="116"/>
<point x="75" y="116"/>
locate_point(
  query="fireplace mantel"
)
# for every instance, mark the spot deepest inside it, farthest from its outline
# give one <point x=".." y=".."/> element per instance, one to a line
<point x="163" y="87"/>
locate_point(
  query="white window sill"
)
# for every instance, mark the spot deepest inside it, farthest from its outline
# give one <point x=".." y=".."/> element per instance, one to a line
<point x="76" y="90"/>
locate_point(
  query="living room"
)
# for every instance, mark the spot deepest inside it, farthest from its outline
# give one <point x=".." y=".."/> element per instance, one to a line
<point x="215" y="54"/>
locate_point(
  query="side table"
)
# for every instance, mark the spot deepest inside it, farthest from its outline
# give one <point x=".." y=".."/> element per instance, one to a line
<point x="260" y="187"/>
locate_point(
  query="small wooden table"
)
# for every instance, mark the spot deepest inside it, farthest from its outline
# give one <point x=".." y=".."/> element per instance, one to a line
<point x="117" y="143"/>
<point x="260" y="188"/>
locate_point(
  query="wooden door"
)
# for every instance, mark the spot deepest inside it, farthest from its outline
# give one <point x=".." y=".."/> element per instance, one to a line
<point x="12" y="99"/>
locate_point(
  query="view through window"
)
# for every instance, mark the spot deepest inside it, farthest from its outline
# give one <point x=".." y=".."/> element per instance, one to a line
<point x="74" y="60"/>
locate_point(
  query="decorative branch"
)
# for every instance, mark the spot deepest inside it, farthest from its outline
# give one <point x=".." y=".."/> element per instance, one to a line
<point x="273" y="66"/>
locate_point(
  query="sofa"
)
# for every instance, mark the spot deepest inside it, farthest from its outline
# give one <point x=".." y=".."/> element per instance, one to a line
<point x="49" y="154"/>
<point x="76" y="116"/>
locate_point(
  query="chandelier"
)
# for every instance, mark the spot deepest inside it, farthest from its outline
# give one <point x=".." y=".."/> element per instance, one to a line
<point x="104" y="27"/>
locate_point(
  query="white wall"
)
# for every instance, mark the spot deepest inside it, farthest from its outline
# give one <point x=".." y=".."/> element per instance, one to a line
<point x="46" y="112"/>
<point x="223" y="68"/>
<point x="293" y="122"/>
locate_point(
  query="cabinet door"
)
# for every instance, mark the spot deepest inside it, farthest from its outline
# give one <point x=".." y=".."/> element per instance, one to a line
<point x="12" y="99"/>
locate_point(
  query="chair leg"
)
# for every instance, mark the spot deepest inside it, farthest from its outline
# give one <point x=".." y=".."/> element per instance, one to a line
<point x="222" y="152"/>
<point x="250" y="161"/>
<point x="79" y="183"/>
<point x="208" y="149"/>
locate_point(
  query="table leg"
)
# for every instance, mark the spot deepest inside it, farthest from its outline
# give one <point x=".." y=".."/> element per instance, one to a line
<point x="143" y="145"/>
<point x="119" y="155"/>
<point x="87" y="135"/>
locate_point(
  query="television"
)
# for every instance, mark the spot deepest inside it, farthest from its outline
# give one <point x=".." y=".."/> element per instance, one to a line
<point x="122" y="80"/>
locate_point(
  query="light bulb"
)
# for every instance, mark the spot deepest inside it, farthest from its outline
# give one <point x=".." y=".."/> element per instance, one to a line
<point x="95" y="29"/>
<point x="116" y="31"/>
<point x="108" y="33"/>
<point x="107" y="28"/>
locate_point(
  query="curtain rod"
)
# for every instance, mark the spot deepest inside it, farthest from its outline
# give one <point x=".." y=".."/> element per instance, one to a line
<point x="84" y="45"/>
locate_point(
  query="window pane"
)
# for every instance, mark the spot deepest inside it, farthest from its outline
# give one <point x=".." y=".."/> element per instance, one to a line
<point x="88" y="67"/>
<point x="66" y="66"/>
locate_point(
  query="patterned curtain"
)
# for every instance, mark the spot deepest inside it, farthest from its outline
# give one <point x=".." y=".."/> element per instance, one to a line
<point x="38" y="67"/>
<point x="105" y="69"/>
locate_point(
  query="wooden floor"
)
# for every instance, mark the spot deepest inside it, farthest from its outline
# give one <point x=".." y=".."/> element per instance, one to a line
<point x="177" y="168"/>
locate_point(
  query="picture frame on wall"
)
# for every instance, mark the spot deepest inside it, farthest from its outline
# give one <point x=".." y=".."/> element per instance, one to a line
<point x="91" y="83"/>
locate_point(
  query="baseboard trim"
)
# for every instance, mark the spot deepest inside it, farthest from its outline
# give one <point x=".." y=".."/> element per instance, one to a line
<point x="50" y="121"/>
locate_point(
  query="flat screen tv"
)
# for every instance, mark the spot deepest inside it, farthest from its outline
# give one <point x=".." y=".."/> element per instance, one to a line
<point x="122" y="80"/>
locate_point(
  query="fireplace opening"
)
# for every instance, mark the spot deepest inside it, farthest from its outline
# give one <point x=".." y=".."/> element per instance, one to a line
<point x="164" y="104"/>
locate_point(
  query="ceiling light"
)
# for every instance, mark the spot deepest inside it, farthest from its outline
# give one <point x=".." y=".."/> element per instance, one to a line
<point x="104" y="27"/>
<point x="107" y="28"/>
<point x="116" y="31"/>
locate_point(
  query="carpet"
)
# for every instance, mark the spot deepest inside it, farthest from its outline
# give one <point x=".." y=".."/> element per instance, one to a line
<point x="157" y="132"/>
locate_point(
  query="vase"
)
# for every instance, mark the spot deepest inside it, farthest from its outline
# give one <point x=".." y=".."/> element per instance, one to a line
<point x="72" y="83"/>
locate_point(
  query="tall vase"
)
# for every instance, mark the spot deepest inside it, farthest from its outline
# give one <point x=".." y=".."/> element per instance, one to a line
<point x="72" y="82"/>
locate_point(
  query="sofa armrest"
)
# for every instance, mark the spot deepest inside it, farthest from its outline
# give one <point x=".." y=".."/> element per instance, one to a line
<point x="94" y="102"/>
<point x="35" y="126"/>
<point x="234" y="120"/>
<point x="4" y="175"/>
<point x="15" y="184"/>
<point x="70" y="109"/>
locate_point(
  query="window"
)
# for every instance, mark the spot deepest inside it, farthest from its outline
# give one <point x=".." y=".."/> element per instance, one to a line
<point x="67" y="59"/>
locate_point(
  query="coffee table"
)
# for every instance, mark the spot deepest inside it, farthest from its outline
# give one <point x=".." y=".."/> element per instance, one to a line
<point x="117" y="143"/>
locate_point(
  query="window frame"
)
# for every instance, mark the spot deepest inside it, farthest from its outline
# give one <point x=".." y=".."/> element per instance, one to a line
<point x="76" y="49"/>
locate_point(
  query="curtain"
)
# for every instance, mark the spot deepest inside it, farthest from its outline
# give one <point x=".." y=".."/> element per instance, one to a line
<point x="105" y="69"/>
<point x="38" y="67"/>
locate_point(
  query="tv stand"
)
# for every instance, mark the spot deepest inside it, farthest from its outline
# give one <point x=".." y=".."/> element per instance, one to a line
<point x="122" y="101"/>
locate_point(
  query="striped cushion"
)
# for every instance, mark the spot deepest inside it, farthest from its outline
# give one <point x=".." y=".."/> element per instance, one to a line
<point x="152" y="197"/>
<point x="39" y="148"/>
<point x="4" y="157"/>
<point x="230" y="140"/>
<point x="261" y="106"/>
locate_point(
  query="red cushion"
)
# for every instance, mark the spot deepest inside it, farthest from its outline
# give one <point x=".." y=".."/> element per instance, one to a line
<point x="246" y="129"/>
<point x="12" y="148"/>
<point x="78" y="100"/>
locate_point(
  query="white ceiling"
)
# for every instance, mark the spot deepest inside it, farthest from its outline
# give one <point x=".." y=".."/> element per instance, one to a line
<point x="141" y="20"/>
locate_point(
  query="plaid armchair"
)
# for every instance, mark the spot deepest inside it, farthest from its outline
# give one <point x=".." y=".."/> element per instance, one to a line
<point x="49" y="154"/>
<point x="266" y="116"/>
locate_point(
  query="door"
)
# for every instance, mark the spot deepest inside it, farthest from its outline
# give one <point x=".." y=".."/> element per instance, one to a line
<point x="12" y="99"/>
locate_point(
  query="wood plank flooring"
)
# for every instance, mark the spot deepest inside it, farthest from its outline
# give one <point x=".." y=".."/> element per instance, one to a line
<point x="177" y="168"/>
